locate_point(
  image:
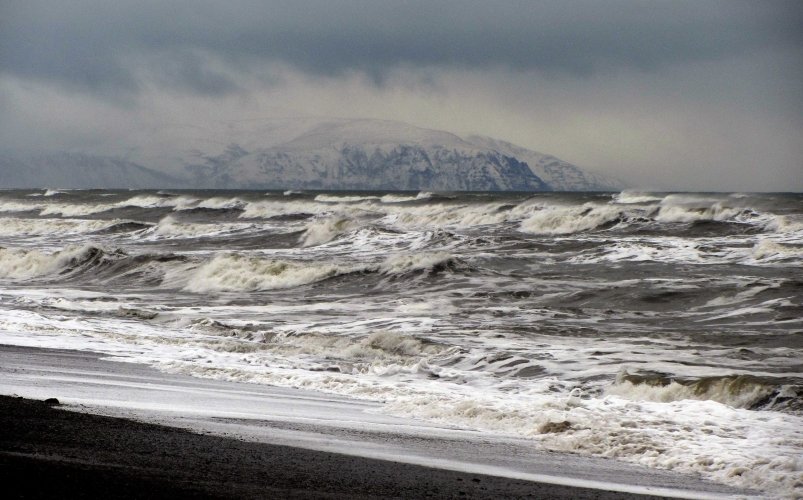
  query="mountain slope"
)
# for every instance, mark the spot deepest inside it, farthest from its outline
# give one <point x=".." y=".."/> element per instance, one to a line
<point x="72" y="170"/>
<point x="558" y="174"/>
<point x="380" y="154"/>
<point x="369" y="154"/>
<point x="304" y="153"/>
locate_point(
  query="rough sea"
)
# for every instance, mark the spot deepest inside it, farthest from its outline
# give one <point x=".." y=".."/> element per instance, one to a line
<point x="656" y="328"/>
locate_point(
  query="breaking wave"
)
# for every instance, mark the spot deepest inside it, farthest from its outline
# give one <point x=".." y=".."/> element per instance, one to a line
<point x="770" y="251"/>
<point x="324" y="198"/>
<point x="222" y="273"/>
<point x="325" y="230"/>
<point x="397" y="198"/>
<point x="737" y="391"/>
<point x="267" y="209"/>
<point x="715" y="212"/>
<point x="20" y="264"/>
<point x="240" y="273"/>
<point x="568" y="220"/>
<point x="627" y="211"/>
<point x="87" y="264"/>
<point x="123" y="227"/>
<point x="634" y="197"/>
<point x="214" y="204"/>
<point x="17" y="206"/>
<point x="171" y="227"/>
<point x="225" y="273"/>
<point x="74" y="209"/>
<point x="432" y="262"/>
<point x="379" y="352"/>
<point x="50" y="227"/>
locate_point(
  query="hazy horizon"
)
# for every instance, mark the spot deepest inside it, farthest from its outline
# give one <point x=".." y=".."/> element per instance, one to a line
<point x="671" y="96"/>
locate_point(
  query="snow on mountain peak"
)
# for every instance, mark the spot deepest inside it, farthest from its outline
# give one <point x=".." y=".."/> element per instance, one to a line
<point x="322" y="153"/>
<point x="339" y="153"/>
<point x="377" y="133"/>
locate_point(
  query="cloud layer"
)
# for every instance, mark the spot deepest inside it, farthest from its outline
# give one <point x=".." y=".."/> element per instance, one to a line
<point x="693" y="95"/>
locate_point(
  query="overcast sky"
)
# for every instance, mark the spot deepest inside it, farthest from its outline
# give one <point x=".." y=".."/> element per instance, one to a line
<point x="701" y="95"/>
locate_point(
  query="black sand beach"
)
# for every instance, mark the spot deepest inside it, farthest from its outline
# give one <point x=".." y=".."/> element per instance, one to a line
<point x="125" y="430"/>
<point x="46" y="452"/>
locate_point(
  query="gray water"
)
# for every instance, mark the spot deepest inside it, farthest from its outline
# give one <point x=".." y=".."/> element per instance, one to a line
<point x="663" y="329"/>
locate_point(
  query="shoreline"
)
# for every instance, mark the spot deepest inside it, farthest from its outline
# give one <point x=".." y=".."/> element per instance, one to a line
<point x="289" y="443"/>
<point x="49" y="452"/>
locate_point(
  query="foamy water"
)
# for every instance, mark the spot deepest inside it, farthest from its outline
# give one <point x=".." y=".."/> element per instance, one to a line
<point x="660" y="329"/>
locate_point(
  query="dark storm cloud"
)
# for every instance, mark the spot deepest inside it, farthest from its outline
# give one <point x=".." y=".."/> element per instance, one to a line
<point x="103" y="46"/>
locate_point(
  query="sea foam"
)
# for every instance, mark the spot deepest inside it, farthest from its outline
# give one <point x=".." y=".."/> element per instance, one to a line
<point x="568" y="220"/>
<point x="22" y="263"/>
<point x="242" y="273"/>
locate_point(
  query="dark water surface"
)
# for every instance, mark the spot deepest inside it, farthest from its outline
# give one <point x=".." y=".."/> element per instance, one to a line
<point x="663" y="329"/>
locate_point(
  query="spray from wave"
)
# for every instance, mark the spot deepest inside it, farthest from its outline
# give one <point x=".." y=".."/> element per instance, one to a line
<point x="738" y="391"/>
<point x="20" y="263"/>
<point x="569" y="220"/>
<point x="325" y="230"/>
<point x="242" y="273"/>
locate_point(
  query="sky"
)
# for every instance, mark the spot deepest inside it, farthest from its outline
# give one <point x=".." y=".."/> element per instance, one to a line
<point x="670" y="95"/>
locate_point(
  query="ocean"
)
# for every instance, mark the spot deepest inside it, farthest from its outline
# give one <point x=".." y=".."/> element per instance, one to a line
<point x="664" y="329"/>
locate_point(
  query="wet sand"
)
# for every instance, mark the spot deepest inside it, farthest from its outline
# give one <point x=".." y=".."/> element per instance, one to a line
<point x="46" y="452"/>
<point x="125" y="430"/>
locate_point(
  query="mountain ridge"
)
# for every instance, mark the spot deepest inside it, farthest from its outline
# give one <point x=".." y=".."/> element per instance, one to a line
<point x="384" y="154"/>
<point x="332" y="154"/>
<point x="78" y="171"/>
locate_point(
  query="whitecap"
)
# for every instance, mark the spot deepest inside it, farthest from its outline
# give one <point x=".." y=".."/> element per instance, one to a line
<point x="321" y="231"/>
<point x="769" y="251"/>
<point x="570" y="219"/>
<point x="396" y="198"/>
<point x="244" y="273"/>
<point x="22" y="263"/>
<point x="635" y="197"/>
<point x="325" y="198"/>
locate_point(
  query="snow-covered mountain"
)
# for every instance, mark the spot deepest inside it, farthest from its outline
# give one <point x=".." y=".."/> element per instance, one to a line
<point x="73" y="170"/>
<point x="303" y="153"/>
<point x="379" y="154"/>
<point x="558" y="174"/>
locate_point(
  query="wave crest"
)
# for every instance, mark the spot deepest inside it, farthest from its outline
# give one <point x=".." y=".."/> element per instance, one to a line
<point x="635" y="197"/>
<point x="51" y="227"/>
<point x="434" y="262"/>
<point x="243" y="273"/>
<point x="569" y="220"/>
<point x="21" y="264"/>
<point x="322" y="231"/>
<point x="770" y="251"/>
<point x="738" y="391"/>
